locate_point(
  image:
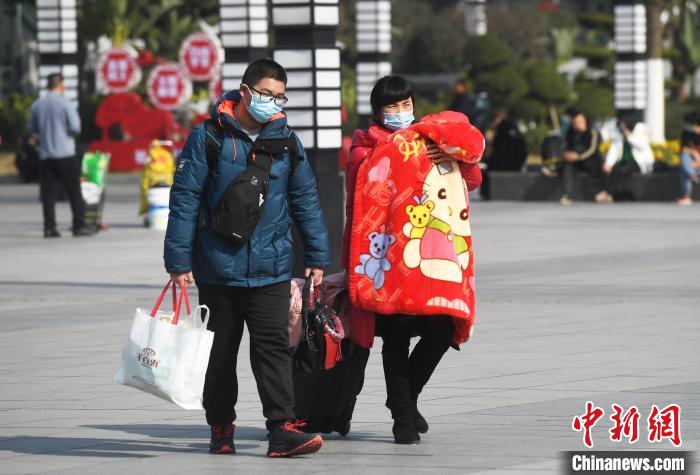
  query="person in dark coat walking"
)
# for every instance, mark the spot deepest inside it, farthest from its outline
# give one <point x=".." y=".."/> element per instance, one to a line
<point x="248" y="283"/>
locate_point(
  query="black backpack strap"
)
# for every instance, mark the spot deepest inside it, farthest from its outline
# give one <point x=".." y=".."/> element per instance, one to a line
<point x="213" y="136"/>
<point x="213" y="140"/>
<point x="295" y="155"/>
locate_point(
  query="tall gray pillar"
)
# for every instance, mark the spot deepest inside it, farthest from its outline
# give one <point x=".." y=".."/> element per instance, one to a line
<point x="305" y="44"/>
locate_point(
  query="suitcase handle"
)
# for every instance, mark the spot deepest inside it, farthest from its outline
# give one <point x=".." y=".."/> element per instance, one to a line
<point x="177" y="302"/>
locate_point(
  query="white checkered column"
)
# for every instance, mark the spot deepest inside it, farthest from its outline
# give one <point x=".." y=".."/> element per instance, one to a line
<point x="630" y="49"/>
<point x="373" y="38"/>
<point x="313" y="88"/>
<point x="58" y="43"/>
<point x="244" y="36"/>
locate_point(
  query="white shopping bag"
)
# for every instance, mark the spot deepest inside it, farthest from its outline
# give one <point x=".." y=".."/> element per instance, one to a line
<point x="168" y="356"/>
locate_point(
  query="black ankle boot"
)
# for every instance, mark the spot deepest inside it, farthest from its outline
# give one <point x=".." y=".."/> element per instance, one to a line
<point x="405" y="430"/>
<point x="418" y="419"/>
<point x="420" y="423"/>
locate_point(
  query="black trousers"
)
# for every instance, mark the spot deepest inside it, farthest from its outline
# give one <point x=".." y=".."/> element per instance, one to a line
<point x="406" y="375"/>
<point x="265" y="310"/>
<point x="66" y="173"/>
<point x="618" y="182"/>
<point x="590" y="166"/>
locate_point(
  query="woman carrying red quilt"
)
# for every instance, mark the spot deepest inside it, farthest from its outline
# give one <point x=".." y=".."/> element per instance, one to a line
<point x="405" y="375"/>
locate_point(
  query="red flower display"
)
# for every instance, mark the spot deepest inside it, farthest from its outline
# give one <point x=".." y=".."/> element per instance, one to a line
<point x="138" y="121"/>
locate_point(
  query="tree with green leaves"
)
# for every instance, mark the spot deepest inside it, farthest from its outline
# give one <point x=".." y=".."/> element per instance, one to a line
<point x="595" y="98"/>
<point x="493" y="69"/>
<point x="428" y="37"/>
<point x="549" y="90"/>
<point x="682" y="31"/>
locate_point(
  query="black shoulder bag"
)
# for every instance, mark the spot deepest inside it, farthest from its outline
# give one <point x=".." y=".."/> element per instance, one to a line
<point x="237" y="214"/>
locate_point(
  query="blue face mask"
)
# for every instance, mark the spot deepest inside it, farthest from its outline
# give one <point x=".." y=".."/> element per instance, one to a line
<point x="262" y="109"/>
<point x="399" y="120"/>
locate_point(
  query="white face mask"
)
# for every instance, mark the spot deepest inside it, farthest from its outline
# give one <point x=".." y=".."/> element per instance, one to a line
<point x="398" y="120"/>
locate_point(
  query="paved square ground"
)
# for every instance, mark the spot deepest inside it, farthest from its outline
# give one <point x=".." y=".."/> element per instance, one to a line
<point x="596" y="303"/>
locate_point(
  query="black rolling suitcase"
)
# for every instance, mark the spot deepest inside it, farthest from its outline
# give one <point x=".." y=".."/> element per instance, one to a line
<point x="327" y="376"/>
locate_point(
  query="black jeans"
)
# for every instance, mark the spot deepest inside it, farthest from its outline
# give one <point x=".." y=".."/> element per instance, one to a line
<point x="406" y="375"/>
<point x="66" y="172"/>
<point x="265" y="310"/>
<point x="590" y="166"/>
<point x="618" y="182"/>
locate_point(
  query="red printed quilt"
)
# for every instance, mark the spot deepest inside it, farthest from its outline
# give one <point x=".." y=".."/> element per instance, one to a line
<point x="411" y="245"/>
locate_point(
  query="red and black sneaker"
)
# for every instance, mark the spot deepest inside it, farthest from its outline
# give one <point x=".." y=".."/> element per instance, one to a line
<point x="288" y="441"/>
<point x="222" y="440"/>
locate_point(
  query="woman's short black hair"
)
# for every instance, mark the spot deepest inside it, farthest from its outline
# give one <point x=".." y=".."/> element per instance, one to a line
<point x="388" y="90"/>
<point x="261" y="69"/>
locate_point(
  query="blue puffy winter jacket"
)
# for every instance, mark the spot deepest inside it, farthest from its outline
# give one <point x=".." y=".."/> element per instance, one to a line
<point x="190" y="243"/>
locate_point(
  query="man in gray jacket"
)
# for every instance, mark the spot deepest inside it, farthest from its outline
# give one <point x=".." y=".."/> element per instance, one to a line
<point x="54" y="119"/>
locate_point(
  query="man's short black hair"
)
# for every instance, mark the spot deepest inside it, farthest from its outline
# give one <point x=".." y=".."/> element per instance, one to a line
<point x="388" y="90"/>
<point x="261" y="69"/>
<point x="54" y="80"/>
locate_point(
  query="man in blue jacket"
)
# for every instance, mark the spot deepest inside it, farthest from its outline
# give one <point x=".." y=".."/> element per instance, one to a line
<point x="250" y="282"/>
<point x="54" y="119"/>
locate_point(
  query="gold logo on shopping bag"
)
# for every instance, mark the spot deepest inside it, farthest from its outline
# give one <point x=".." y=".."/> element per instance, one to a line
<point x="147" y="358"/>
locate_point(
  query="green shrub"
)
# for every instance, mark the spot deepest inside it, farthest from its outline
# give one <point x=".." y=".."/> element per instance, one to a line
<point x="597" y="56"/>
<point x="14" y="114"/>
<point x="595" y="99"/>
<point x="487" y="52"/>
<point x="597" y="21"/>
